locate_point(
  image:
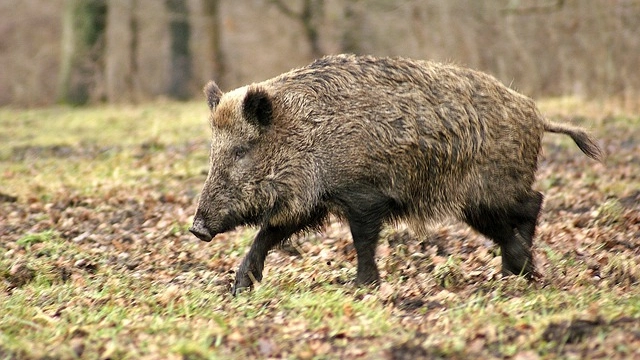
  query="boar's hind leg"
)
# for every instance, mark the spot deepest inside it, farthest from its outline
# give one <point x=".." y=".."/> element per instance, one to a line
<point x="512" y="229"/>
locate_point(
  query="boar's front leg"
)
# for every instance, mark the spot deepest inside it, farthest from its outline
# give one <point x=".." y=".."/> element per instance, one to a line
<point x="366" y="213"/>
<point x="365" y="239"/>
<point x="268" y="237"/>
<point x="250" y="270"/>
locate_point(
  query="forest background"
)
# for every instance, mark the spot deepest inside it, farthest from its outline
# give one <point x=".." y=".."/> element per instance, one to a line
<point x="88" y="51"/>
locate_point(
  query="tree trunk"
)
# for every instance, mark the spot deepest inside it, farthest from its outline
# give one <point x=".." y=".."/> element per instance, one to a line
<point x="121" y="64"/>
<point x="211" y="10"/>
<point x="312" y="13"/>
<point x="310" y="18"/>
<point x="180" y="33"/>
<point x="351" y="40"/>
<point x="82" y="49"/>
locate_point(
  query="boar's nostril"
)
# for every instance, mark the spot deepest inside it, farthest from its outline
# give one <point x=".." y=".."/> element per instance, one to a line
<point x="199" y="229"/>
<point x="200" y="232"/>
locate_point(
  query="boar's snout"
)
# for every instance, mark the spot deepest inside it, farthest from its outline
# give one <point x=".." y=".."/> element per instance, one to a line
<point x="200" y="230"/>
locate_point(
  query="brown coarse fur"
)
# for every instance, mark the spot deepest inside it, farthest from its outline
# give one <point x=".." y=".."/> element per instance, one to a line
<point x="373" y="141"/>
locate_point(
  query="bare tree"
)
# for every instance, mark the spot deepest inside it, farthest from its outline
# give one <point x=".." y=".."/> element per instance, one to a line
<point x="211" y="10"/>
<point x="82" y="49"/>
<point x="352" y="32"/>
<point x="180" y="34"/>
<point x="542" y="47"/>
<point x="121" y="58"/>
<point x="516" y="8"/>
<point x="309" y="17"/>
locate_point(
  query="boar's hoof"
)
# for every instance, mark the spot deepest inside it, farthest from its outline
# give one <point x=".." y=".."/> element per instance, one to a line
<point x="235" y="290"/>
<point x="244" y="282"/>
<point x="368" y="279"/>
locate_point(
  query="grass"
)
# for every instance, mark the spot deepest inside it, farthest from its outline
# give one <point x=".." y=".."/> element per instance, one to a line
<point x="89" y="148"/>
<point x="96" y="260"/>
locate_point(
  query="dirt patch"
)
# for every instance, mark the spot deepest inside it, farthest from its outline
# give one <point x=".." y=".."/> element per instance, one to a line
<point x="7" y="198"/>
<point x="581" y="330"/>
<point x="60" y="151"/>
<point x="572" y="332"/>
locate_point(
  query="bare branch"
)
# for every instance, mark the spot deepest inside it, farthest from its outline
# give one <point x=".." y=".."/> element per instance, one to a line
<point x="545" y="8"/>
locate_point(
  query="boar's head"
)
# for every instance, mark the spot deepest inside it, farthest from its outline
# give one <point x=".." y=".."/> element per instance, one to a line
<point x="239" y="188"/>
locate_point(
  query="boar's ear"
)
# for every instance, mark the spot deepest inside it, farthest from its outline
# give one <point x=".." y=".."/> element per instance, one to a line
<point x="257" y="107"/>
<point x="213" y="94"/>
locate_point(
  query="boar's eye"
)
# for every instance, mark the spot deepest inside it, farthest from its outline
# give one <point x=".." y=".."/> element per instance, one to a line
<point x="239" y="152"/>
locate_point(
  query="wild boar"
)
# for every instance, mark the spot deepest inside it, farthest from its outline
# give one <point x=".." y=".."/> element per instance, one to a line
<point x="375" y="141"/>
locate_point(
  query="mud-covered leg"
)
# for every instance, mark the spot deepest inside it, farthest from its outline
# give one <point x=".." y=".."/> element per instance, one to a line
<point x="525" y="218"/>
<point x="512" y="229"/>
<point x="250" y="270"/>
<point x="366" y="213"/>
<point x="365" y="239"/>
<point x="516" y="253"/>
<point x="528" y="216"/>
<point x="516" y="256"/>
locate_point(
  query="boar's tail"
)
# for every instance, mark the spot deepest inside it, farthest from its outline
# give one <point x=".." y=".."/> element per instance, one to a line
<point x="585" y="142"/>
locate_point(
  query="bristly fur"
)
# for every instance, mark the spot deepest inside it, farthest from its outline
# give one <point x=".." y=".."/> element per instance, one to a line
<point x="373" y="141"/>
